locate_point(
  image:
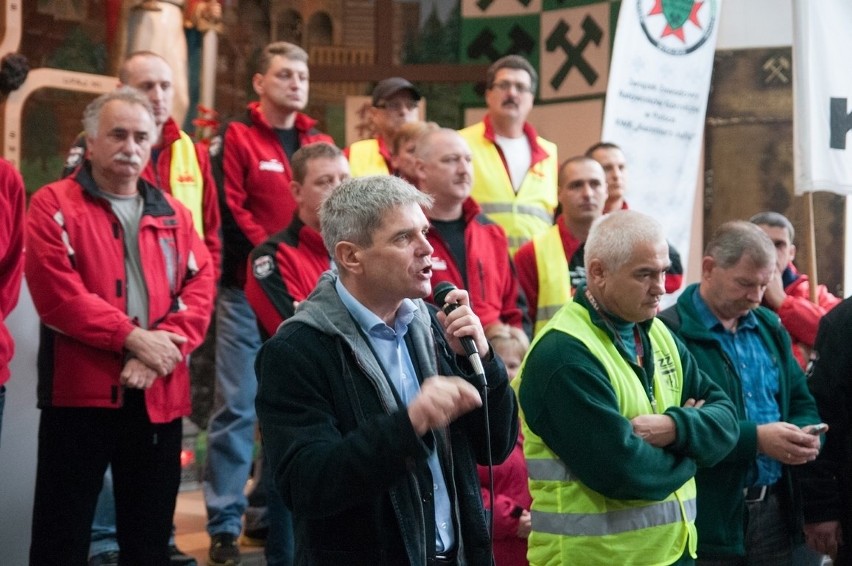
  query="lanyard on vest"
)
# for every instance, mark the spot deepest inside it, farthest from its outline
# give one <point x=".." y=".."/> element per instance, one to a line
<point x="185" y="180"/>
<point x="637" y="339"/>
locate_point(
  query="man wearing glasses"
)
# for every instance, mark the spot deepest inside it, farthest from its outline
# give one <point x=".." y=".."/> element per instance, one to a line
<point x="395" y="102"/>
<point x="514" y="169"/>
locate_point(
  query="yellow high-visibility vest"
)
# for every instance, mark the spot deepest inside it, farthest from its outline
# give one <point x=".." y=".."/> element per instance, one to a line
<point x="522" y="215"/>
<point x="186" y="181"/>
<point x="574" y="524"/>
<point x="366" y="159"/>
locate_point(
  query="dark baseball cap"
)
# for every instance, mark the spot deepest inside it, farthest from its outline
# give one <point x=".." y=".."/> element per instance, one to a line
<point x="389" y="87"/>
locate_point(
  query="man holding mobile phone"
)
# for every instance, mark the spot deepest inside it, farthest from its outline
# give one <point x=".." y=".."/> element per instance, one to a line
<point x="746" y="509"/>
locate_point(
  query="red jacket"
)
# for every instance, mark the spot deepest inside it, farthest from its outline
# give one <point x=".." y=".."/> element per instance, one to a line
<point x="800" y="316"/>
<point x="12" y="203"/>
<point x="158" y="172"/>
<point x="491" y="280"/>
<point x="76" y="275"/>
<point x="511" y="494"/>
<point x="254" y="177"/>
<point x="528" y="269"/>
<point x="283" y="270"/>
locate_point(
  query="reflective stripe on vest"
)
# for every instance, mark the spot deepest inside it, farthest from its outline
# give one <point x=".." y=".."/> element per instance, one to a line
<point x="554" y="283"/>
<point x="186" y="183"/>
<point x="614" y="522"/>
<point x="365" y="159"/>
<point x="574" y="524"/>
<point x="524" y="214"/>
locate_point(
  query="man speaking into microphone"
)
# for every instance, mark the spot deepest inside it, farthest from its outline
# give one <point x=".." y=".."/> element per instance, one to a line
<point x="370" y="420"/>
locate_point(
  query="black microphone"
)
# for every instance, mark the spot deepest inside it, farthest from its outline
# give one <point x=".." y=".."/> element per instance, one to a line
<point x="441" y="291"/>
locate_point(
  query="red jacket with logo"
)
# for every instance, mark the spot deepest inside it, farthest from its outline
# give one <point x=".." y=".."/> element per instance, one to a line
<point x="76" y="274"/>
<point x="283" y="270"/>
<point x="253" y="174"/>
<point x="12" y="203"/>
<point x="491" y="281"/>
<point x="158" y="172"/>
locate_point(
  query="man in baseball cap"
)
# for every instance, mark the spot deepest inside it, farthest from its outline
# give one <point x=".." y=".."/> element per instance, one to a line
<point x="395" y="102"/>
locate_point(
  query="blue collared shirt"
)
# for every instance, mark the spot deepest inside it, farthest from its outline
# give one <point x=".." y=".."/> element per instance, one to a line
<point x="389" y="346"/>
<point x="759" y="378"/>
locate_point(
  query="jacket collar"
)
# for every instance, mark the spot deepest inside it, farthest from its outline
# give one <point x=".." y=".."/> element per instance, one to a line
<point x="170" y="133"/>
<point x="537" y="153"/>
<point x="324" y="311"/>
<point x="303" y="123"/>
<point x="155" y="203"/>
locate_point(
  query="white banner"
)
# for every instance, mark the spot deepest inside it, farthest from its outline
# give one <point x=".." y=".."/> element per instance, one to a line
<point x="656" y="102"/>
<point x="822" y="95"/>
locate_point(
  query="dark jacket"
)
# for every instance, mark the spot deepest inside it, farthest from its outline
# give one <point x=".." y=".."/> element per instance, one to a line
<point x="827" y="482"/>
<point x="345" y="456"/>
<point x="721" y="505"/>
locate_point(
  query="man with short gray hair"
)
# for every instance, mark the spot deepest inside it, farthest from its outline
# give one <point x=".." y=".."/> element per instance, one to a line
<point x="124" y="288"/>
<point x="617" y="417"/>
<point x="788" y="292"/>
<point x="371" y="420"/>
<point x="746" y="508"/>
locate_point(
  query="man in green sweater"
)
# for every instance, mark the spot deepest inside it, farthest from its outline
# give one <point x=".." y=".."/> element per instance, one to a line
<point x="617" y="416"/>
<point x="747" y="512"/>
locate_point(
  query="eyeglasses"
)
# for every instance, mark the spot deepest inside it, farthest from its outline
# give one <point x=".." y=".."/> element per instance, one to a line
<point x="397" y="105"/>
<point x="506" y="86"/>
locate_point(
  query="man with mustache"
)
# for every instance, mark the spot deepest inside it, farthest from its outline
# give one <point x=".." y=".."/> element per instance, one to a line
<point x="515" y="169"/>
<point x="177" y="165"/>
<point x="617" y="417"/>
<point x="181" y="168"/>
<point x="124" y="287"/>
<point x="370" y="418"/>
<point x="546" y="284"/>
<point x="747" y="511"/>
<point x="470" y="251"/>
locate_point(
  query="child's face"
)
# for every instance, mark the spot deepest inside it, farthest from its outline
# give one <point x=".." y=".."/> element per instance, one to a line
<point x="511" y="358"/>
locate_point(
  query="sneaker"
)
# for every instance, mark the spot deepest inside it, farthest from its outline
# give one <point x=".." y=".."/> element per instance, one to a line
<point x="178" y="558"/>
<point x="223" y="550"/>
<point x="108" y="558"/>
<point x="254" y="537"/>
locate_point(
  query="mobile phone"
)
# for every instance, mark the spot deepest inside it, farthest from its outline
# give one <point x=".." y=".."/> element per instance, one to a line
<point x="816" y="429"/>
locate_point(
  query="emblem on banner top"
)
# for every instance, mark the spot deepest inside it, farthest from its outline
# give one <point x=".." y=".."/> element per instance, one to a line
<point x="677" y="27"/>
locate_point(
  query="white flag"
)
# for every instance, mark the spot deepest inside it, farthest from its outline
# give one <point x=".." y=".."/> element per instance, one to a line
<point x="656" y="103"/>
<point x="822" y="95"/>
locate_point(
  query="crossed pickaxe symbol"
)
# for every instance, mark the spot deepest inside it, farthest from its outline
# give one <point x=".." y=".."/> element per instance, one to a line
<point x="484" y="44"/>
<point x="558" y="38"/>
<point x="776" y="67"/>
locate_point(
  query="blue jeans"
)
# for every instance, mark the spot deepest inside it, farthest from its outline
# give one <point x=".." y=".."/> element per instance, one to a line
<point x="279" y="541"/>
<point x="230" y="433"/>
<point x="103" y="525"/>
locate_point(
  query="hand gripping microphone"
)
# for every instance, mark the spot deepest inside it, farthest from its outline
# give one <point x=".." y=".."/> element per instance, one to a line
<point x="440" y="293"/>
<point x="441" y="290"/>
